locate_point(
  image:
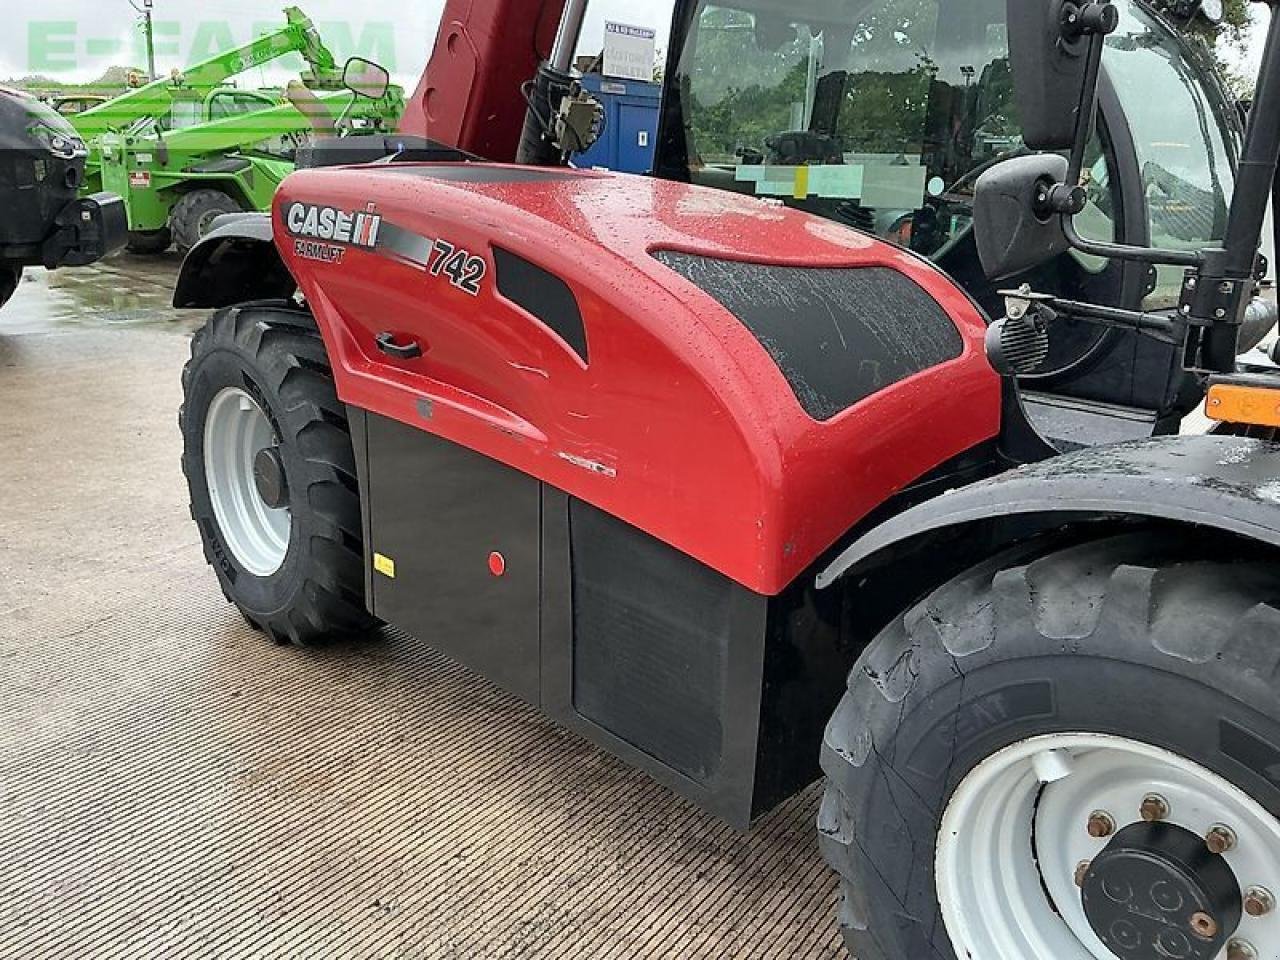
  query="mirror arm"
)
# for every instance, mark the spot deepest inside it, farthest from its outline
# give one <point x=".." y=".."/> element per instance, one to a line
<point x="1085" y="116"/>
<point x="1121" y="251"/>
<point x="1095" y="20"/>
<point x="346" y="111"/>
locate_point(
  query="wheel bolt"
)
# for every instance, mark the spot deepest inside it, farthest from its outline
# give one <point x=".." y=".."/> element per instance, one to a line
<point x="1204" y="926"/>
<point x="1082" y="870"/>
<point x="1258" y="901"/>
<point x="1220" y="839"/>
<point x="1154" y="807"/>
<point x="1101" y="825"/>
<point x="1238" y="949"/>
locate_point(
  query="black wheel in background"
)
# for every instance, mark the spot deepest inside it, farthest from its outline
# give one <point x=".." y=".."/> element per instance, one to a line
<point x="193" y="215"/>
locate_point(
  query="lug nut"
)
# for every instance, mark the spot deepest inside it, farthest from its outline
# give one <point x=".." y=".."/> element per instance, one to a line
<point x="1082" y="870"/>
<point x="1258" y="901"/>
<point x="1154" y="807"/>
<point x="1220" y="839"/>
<point x="1203" y="925"/>
<point x="1101" y="825"/>
<point x="1241" y="950"/>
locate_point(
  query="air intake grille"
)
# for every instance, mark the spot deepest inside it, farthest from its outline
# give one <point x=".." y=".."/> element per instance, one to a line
<point x="838" y="335"/>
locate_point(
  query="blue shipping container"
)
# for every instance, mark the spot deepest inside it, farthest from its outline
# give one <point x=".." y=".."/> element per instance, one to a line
<point x="631" y="124"/>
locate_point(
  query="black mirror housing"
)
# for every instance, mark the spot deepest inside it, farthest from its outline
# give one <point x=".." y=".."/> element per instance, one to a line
<point x="365" y="78"/>
<point x="1012" y="230"/>
<point x="1048" y="55"/>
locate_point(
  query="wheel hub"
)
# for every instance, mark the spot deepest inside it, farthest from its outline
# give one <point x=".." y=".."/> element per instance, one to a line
<point x="1037" y="841"/>
<point x="269" y="478"/>
<point x="1157" y="891"/>
<point x="245" y="477"/>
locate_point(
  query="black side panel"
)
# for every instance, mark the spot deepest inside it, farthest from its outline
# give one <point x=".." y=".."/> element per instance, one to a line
<point x="661" y="662"/>
<point x="544" y="295"/>
<point x="838" y="335"/>
<point x="812" y="644"/>
<point x="437" y="511"/>
<point x="358" y="424"/>
<point x="652" y="635"/>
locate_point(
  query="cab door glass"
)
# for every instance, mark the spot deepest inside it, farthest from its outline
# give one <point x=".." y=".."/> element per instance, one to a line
<point x="1181" y="146"/>
<point x="223" y="105"/>
<point x="880" y="114"/>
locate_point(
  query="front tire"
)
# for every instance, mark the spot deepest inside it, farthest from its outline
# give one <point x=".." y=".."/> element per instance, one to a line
<point x="269" y="464"/>
<point x="1147" y="656"/>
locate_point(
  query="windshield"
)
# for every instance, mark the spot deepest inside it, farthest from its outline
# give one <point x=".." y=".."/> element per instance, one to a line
<point x="184" y="113"/>
<point x="230" y="103"/>
<point x="883" y="113"/>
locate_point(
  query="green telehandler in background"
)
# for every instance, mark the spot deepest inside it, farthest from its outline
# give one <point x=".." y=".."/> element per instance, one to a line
<point x="188" y="148"/>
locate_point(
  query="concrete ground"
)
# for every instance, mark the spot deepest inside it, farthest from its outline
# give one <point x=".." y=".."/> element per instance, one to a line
<point x="172" y="785"/>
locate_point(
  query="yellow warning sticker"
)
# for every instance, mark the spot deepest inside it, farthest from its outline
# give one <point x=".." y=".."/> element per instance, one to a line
<point x="802" y="183"/>
<point x="384" y="565"/>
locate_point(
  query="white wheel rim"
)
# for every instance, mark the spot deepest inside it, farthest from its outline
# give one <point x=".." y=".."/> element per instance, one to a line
<point x="1016" y="827"/>
<point x="235" y="431"/>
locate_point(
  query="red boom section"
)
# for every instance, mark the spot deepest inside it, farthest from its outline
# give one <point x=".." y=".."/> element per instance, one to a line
<point x="674" y="417"/>
<point x="469" y="95"/>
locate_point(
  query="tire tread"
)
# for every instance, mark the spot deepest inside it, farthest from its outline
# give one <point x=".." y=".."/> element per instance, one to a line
<point x="284" y="345"/>
<point x="1173" y="601"/>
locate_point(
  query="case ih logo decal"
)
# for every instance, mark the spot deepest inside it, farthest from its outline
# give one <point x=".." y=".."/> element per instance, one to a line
<point x="324" y="233"/>
<point x="311" y="225"/>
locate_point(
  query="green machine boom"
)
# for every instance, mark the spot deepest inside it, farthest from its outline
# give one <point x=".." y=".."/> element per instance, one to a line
<point x="186" y="149"/>
<point x="159" y="99"/>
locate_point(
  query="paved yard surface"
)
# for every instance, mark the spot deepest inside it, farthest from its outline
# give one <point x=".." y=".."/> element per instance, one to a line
<point x="171" y="785"/>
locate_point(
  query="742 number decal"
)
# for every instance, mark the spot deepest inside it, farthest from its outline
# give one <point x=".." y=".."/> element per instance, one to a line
<point x="463" y="269"/>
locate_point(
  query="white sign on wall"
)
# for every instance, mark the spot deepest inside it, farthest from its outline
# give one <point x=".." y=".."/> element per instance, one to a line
<point x="629" y="51"/>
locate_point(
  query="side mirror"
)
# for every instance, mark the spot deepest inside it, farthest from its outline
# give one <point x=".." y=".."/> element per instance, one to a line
<point x="365" y="78"/>
<point x="1049" y="44"/>
<point x="1013" y="230"/>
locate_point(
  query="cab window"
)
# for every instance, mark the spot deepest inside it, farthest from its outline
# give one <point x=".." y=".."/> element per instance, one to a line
<point x="222" y="106"/>
<point x="880" y="113"/>
<point x="1181" y="146"/>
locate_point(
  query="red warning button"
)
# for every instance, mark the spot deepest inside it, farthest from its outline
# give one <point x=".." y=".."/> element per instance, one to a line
<point x="497" y="564"/>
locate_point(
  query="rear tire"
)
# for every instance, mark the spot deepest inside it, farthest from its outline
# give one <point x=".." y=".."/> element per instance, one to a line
<point x="149" y="243"/>
<point x="1146" y="638"/>
<point x="193" y="215"/>
<point x="270" y="361"/>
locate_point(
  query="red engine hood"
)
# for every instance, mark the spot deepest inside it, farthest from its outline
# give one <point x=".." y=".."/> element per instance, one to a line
<point x="679" y="420"/>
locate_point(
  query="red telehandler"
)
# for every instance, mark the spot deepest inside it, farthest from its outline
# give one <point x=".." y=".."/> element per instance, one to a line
<point x="728" y="483"/>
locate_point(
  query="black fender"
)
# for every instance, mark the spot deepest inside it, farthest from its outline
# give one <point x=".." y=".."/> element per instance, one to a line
<point x="1229" y="484"/>
<point x="237" y="261"/>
